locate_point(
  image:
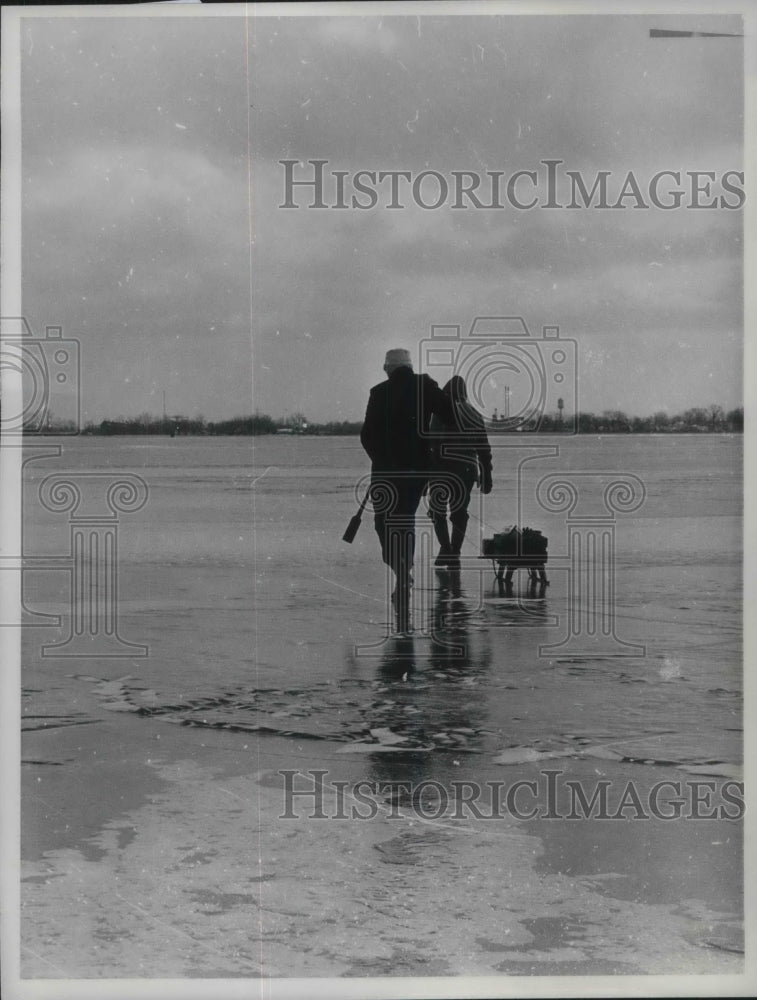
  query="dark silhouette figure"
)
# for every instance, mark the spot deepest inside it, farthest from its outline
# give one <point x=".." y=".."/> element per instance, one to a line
<point x="395" y="436"/>
<point x="462" y="459"/>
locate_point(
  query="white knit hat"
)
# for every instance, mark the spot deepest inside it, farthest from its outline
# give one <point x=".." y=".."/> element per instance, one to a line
<point x="398" y="357"/>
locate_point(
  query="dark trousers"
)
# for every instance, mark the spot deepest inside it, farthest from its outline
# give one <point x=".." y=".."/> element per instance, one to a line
<point x="395" y="498"/>
<point x="449" y="496"/>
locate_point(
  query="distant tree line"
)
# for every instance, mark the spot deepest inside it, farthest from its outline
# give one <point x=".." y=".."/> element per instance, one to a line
<point x="702" y="420"/>
<point x="257" y="423"/>
<point x="180" y="426"/>
<point x="710" y="419"/>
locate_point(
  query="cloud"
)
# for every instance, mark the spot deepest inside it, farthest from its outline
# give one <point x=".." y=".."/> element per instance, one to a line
<point x="137" y="232"/>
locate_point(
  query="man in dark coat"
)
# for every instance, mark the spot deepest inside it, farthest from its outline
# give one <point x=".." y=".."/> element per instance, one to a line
<point x="395" y="435"/>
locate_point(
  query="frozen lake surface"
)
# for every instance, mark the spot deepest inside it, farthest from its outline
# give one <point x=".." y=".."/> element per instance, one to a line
<point x="235" y="576"/>
<point x="263" y="625"/>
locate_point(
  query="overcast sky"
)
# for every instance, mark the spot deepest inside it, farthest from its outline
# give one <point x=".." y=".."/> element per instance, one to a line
<point x="145" y="179"/>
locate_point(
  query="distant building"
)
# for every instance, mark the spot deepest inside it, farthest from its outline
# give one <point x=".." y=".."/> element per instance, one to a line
<point x="296" y="424"/>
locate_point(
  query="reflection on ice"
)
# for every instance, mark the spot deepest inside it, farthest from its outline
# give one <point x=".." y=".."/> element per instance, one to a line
<point x="274" y="626"/>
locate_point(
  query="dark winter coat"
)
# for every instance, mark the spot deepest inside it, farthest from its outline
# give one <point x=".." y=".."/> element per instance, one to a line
<point x="462" y="446"/>
<point x="397" y="421"/>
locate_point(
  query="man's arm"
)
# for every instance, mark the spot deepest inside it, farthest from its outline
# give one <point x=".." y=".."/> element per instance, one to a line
<point x="485" y="463"/>
<point x="435" y="403"/>
<point x="484" y="453"/>
<point x="370" y="433"/>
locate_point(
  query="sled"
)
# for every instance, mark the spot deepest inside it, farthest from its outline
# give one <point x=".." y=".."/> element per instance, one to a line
<point x="513" y="549"/>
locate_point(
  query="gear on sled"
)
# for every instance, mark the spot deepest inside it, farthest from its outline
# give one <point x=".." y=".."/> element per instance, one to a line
<point x="516" y="548"/>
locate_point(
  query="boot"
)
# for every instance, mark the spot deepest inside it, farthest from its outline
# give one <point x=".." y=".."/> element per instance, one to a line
<point x="442" y="535"/>
<point x="458" y="537"/>
<point x="401" y="601"/>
